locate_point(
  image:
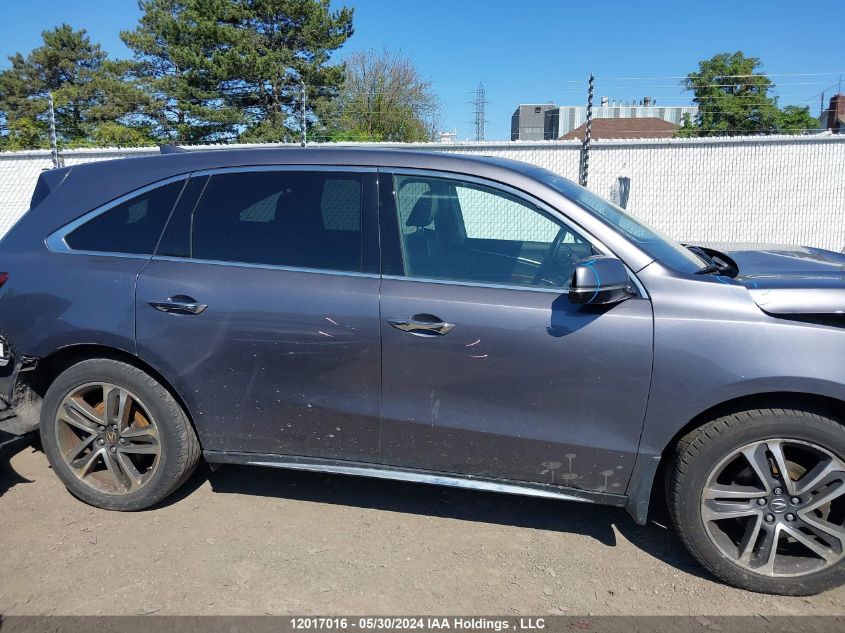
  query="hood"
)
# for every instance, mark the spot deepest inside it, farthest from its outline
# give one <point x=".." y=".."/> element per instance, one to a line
<point x="790" y="279"/>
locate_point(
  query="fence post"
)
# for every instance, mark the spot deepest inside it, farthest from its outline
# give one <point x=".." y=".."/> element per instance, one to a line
<point x="302" y="121"/>
<point x="54" y="145"/>
<point x="585" y="147"/>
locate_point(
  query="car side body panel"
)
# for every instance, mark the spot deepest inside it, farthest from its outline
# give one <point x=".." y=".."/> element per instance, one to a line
<point x="57" y="300"/>
<point x="281" y="361"/>
<point x="519" y="389"/>
<point x="712" y="343"/>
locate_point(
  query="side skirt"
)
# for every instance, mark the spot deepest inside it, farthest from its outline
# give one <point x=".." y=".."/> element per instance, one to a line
<point x="379" y="471"/>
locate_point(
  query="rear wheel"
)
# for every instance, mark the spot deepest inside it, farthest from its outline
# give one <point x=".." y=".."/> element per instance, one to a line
<point x="116" y="437"/>
<point x="758" y="498"/>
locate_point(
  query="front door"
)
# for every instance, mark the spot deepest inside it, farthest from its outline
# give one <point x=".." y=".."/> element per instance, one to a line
<point x="488" y="370"/>
<point x="260" y="309"/>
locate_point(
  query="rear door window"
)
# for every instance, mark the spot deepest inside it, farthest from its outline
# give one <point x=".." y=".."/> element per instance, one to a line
<point x="132" y="227"/>
<point x="299" y="219"/>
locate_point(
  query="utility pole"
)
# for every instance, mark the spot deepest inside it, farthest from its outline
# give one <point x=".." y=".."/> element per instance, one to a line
<point x="479" y="111"/>
<point x="302" y="121"/>
<point x="585" y="147"/>
<point x="54" y="145"/>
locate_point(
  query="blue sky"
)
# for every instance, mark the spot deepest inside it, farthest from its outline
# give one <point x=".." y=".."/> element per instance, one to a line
<point x="534" y="52"/>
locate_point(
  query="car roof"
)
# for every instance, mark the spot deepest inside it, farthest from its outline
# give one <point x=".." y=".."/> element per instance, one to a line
<point x="195" y="160"/>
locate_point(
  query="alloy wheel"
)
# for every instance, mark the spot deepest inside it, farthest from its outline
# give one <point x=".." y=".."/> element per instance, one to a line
<point x="107" y="438"/>
<point x="777" y="507"/>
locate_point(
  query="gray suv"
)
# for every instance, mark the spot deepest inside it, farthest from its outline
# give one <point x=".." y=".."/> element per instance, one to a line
<point x="468" y="322"/>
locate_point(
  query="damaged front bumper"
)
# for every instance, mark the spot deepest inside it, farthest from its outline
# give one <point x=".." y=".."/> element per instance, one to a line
<point x="20" y="407"/>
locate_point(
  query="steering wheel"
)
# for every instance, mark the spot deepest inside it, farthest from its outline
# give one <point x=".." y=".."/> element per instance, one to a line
<point x="546" y="275"/>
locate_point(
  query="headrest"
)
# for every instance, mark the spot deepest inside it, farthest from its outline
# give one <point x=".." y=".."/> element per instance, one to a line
<point x="296" y="211"/>
<point x="421" y="215"/>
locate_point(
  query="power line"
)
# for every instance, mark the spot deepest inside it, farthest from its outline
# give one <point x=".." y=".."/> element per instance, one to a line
<point x="679" y="77"/>
<point x="817" y="74"/>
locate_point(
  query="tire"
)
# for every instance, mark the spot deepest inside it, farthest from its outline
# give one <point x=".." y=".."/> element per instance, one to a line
<point x="716" y="459"/>
<point x="150" y="453"/>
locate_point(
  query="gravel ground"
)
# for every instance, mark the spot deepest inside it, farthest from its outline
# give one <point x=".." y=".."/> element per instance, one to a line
<point x="255" y="541"/>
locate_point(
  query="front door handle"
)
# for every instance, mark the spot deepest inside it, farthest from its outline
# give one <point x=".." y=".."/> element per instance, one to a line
<point x="179" y="304"/>
<point x="419" y="326"/>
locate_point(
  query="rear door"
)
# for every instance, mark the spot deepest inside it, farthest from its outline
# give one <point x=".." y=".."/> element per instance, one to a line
<point x="488" y="369"/>
<point x="261" y="306"/>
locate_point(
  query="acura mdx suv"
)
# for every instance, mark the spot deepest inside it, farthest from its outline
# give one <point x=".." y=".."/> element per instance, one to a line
<point x="469" y="322"/>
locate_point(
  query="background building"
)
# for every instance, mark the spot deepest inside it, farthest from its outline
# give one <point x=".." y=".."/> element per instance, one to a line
<point x="833" y="118"/>
<point x="562" y="119"/>
<point x="528" y="121"/>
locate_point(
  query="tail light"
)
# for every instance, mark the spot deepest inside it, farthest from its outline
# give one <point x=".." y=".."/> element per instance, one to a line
<point x="3" y="278"/>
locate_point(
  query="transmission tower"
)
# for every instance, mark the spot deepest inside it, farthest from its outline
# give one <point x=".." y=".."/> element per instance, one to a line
<point x="480" y="103"/>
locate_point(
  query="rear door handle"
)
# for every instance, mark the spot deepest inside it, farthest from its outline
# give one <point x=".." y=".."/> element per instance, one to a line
<point x="179" y="304"/>
<point x="414" y="325"/>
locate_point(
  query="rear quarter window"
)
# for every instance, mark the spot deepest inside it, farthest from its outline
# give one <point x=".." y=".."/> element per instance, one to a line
<point x="132" y="227"/>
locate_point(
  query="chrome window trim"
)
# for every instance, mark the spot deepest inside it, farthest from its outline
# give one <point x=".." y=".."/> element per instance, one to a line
<point x="475" y="284"/>
<point x="291" y="269"/>
<point x="472" y="284"/>
<point x="350" y="273"/>
<point x="70" y="251"/>
<point x="263" y="168"/>
<point x="56" y="240"/>
<point x="518" y="193"/>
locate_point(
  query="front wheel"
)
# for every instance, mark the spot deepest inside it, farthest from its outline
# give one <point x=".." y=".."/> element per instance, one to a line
<point x="758" y="497"/>
<point x="116" y="437"/>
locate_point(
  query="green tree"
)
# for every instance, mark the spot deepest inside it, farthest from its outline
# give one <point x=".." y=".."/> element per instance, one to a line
<point x="226" y="69"/>
<point x="795" y="120"/>
<point x="176" y="47"/>
<point x="274" y="48"/>
<point x="734" y="98"/>
<point x="384" y="98"/>
<point x="89" y="93"/>
<point x="688" y="127"/>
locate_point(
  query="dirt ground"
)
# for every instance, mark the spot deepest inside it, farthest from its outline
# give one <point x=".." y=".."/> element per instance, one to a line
<point x="262" y="541"/>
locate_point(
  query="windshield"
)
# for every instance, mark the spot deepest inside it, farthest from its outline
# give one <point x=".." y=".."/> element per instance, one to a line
<point x="657" y="245"/>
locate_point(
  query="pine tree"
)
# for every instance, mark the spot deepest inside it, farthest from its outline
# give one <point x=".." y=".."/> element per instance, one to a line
<point x="225" y="69"/>
<point x="92" y="99"/>
<point x="276" y="47"/>
<point x="176" y="46"/>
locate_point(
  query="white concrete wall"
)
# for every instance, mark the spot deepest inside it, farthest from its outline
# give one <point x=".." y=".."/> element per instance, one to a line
<point x="759" y="189"/>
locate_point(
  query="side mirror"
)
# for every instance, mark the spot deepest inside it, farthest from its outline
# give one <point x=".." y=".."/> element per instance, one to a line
<point x="600" y="280"/>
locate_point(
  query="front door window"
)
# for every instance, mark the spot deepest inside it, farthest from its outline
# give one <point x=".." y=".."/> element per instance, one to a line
<point x="463" y="231"/>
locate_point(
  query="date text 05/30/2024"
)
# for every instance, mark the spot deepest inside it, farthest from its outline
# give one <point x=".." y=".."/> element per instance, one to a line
<point x="418" y="623"/>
